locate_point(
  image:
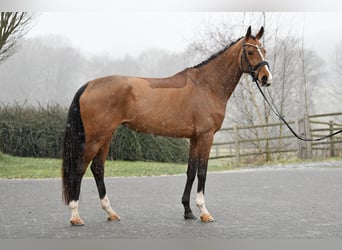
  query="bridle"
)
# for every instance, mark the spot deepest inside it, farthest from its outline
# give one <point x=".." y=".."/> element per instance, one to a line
<point x="252" y="70"/>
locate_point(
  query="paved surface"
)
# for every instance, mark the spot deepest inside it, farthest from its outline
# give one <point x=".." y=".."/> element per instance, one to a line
<point x="300" y="202"/>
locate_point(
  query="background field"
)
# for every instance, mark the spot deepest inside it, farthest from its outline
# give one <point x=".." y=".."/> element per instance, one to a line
<point x="27" y="167"/>
<point x="32" y="168"/>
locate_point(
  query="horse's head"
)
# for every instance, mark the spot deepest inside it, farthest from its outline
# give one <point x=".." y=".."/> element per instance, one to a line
<point x="252" y="59"/>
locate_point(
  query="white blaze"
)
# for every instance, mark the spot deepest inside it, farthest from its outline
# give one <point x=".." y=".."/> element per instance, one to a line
<point x="263" y="59"/>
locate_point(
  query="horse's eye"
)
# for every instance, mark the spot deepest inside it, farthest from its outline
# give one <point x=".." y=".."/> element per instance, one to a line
<point x="250" y="52"/>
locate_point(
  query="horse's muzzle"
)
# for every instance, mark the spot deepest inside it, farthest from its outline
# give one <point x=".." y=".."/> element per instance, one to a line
<point x="265" y="81"/>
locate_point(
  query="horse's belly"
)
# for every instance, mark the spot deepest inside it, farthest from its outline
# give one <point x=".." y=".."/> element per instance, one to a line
<point x="162" y="124"/>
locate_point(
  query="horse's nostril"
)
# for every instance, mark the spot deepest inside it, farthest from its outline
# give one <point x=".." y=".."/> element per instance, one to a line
<point x="264" y="81"/>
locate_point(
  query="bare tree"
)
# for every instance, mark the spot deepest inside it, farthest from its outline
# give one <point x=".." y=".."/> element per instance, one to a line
<point x="50" y="69"/>
<point x="337" y="68"/>
<point x="13" y="26"/>
<point x="339" y="59"/>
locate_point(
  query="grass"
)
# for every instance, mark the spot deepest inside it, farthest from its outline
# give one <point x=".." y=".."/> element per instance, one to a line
<point x="31" y="168"/>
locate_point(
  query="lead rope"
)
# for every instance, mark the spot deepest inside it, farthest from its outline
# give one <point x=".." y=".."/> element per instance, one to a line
<point x="281" y="117"/>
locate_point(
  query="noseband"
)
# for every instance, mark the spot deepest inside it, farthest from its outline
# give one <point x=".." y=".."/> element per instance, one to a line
<point x="252" y="70"/>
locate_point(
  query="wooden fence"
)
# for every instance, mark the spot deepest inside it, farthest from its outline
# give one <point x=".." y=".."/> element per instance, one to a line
<point x="274" y="141"/>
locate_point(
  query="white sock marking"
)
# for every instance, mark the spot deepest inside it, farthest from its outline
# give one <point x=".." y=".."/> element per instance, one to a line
<point x="201" y="203"/>
<point x="74" y="209"/>
<point x="105" y="204"/>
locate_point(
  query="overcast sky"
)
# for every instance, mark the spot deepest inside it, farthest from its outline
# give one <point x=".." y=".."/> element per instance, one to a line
<point x="121" y="33"/>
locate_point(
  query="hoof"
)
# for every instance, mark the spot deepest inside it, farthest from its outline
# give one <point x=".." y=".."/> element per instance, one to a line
<point x="113" y="217"/>
<point x="206" y="218"/>
<point x="76" y="222"/>
<point x="189" y="216"/>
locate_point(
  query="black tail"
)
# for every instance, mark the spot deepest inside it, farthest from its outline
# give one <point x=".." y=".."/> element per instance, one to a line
<point x="74" y="140"/>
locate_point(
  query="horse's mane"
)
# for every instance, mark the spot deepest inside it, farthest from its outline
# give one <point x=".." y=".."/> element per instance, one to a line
<point x="216" y="54"/>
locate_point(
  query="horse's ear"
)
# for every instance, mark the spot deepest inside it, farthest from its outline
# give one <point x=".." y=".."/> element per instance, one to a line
<point x="260" y="33"/>
<point x="249" y="32"/>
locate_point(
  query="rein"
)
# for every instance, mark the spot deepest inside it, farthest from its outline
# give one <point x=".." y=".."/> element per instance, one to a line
<point x="254" y="72"/>
<point x="281" y="117"/>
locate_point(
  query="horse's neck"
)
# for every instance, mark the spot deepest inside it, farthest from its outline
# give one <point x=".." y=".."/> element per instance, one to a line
<point x="223" y="73"/>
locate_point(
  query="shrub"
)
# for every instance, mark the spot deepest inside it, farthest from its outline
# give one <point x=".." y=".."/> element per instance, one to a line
<point x="32" y="131"/>
<point x="39" y="131"/>
<point x="130" y="145"/>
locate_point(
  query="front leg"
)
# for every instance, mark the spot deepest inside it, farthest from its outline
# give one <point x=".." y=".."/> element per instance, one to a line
<point x="198" y="162"/>
<point x="204" y="151"/>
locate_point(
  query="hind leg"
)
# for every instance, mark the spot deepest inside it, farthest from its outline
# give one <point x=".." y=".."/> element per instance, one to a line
<point x="97" y="168"/>
<point x="91" y="149"/>
<point x="75" y="219"/>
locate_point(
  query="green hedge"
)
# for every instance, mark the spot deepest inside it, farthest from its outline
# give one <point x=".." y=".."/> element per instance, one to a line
<point x="30" y="131"/>
<point x="38" y="132"/>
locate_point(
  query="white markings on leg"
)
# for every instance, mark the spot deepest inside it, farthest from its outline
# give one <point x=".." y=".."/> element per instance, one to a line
<point x="105" y="204"/>
<point x="74" y="209"/>
<point x="75" y="217"/>
<point x="205" y="215"/>
<point x="200" y="203"/>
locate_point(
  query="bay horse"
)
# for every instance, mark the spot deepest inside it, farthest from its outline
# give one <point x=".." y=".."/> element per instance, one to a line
<point x="190" y="104"/>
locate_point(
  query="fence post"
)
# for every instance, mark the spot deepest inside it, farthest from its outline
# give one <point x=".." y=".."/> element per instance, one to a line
<point x="332" y="145"/>
<point x="307" y="130"/>
<point x="237" y="145"/>
<point x="300" y="144"/>
<point x="304" y="147"/>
